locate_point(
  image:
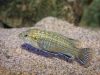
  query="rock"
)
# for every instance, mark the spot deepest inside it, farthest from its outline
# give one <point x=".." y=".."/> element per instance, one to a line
<point x="1" y="25"/>
<point x="19" y="58"/>
<point x="23" y="14"/>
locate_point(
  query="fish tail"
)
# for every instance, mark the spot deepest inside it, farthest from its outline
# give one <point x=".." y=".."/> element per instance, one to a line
<point x="85" y="56"/>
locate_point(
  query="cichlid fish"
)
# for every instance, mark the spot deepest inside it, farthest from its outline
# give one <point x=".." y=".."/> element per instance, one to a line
<point x="54" y="42"/>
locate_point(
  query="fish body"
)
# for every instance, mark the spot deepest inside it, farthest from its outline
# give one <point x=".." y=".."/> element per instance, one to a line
<point x="55" y="42"/>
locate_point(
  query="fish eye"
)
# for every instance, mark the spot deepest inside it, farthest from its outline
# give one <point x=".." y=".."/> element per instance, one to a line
<point x="26" y="35"/>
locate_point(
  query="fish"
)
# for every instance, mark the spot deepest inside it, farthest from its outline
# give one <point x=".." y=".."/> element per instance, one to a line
<point x="55" y="42"/>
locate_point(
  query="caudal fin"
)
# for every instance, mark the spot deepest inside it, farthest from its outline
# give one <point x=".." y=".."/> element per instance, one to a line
<point x="85" y="56"/>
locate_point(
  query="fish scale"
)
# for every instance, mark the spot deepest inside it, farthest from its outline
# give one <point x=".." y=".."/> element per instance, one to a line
<point x="57" y="41"/>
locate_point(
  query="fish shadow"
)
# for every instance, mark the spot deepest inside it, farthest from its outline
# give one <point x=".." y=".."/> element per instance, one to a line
<point x="45" y="53"/>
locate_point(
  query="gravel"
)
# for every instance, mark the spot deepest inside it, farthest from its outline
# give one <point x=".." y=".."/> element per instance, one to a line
<point x="19" y="58"/>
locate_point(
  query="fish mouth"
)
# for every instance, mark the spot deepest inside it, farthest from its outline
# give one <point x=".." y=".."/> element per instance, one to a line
<point x="20" y="35"/>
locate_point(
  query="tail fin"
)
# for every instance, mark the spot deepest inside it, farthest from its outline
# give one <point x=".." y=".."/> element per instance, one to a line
<point x="85" y="56"/>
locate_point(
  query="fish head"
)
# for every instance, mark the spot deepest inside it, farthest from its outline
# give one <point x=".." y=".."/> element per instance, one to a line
<point x="31" y="35"/>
